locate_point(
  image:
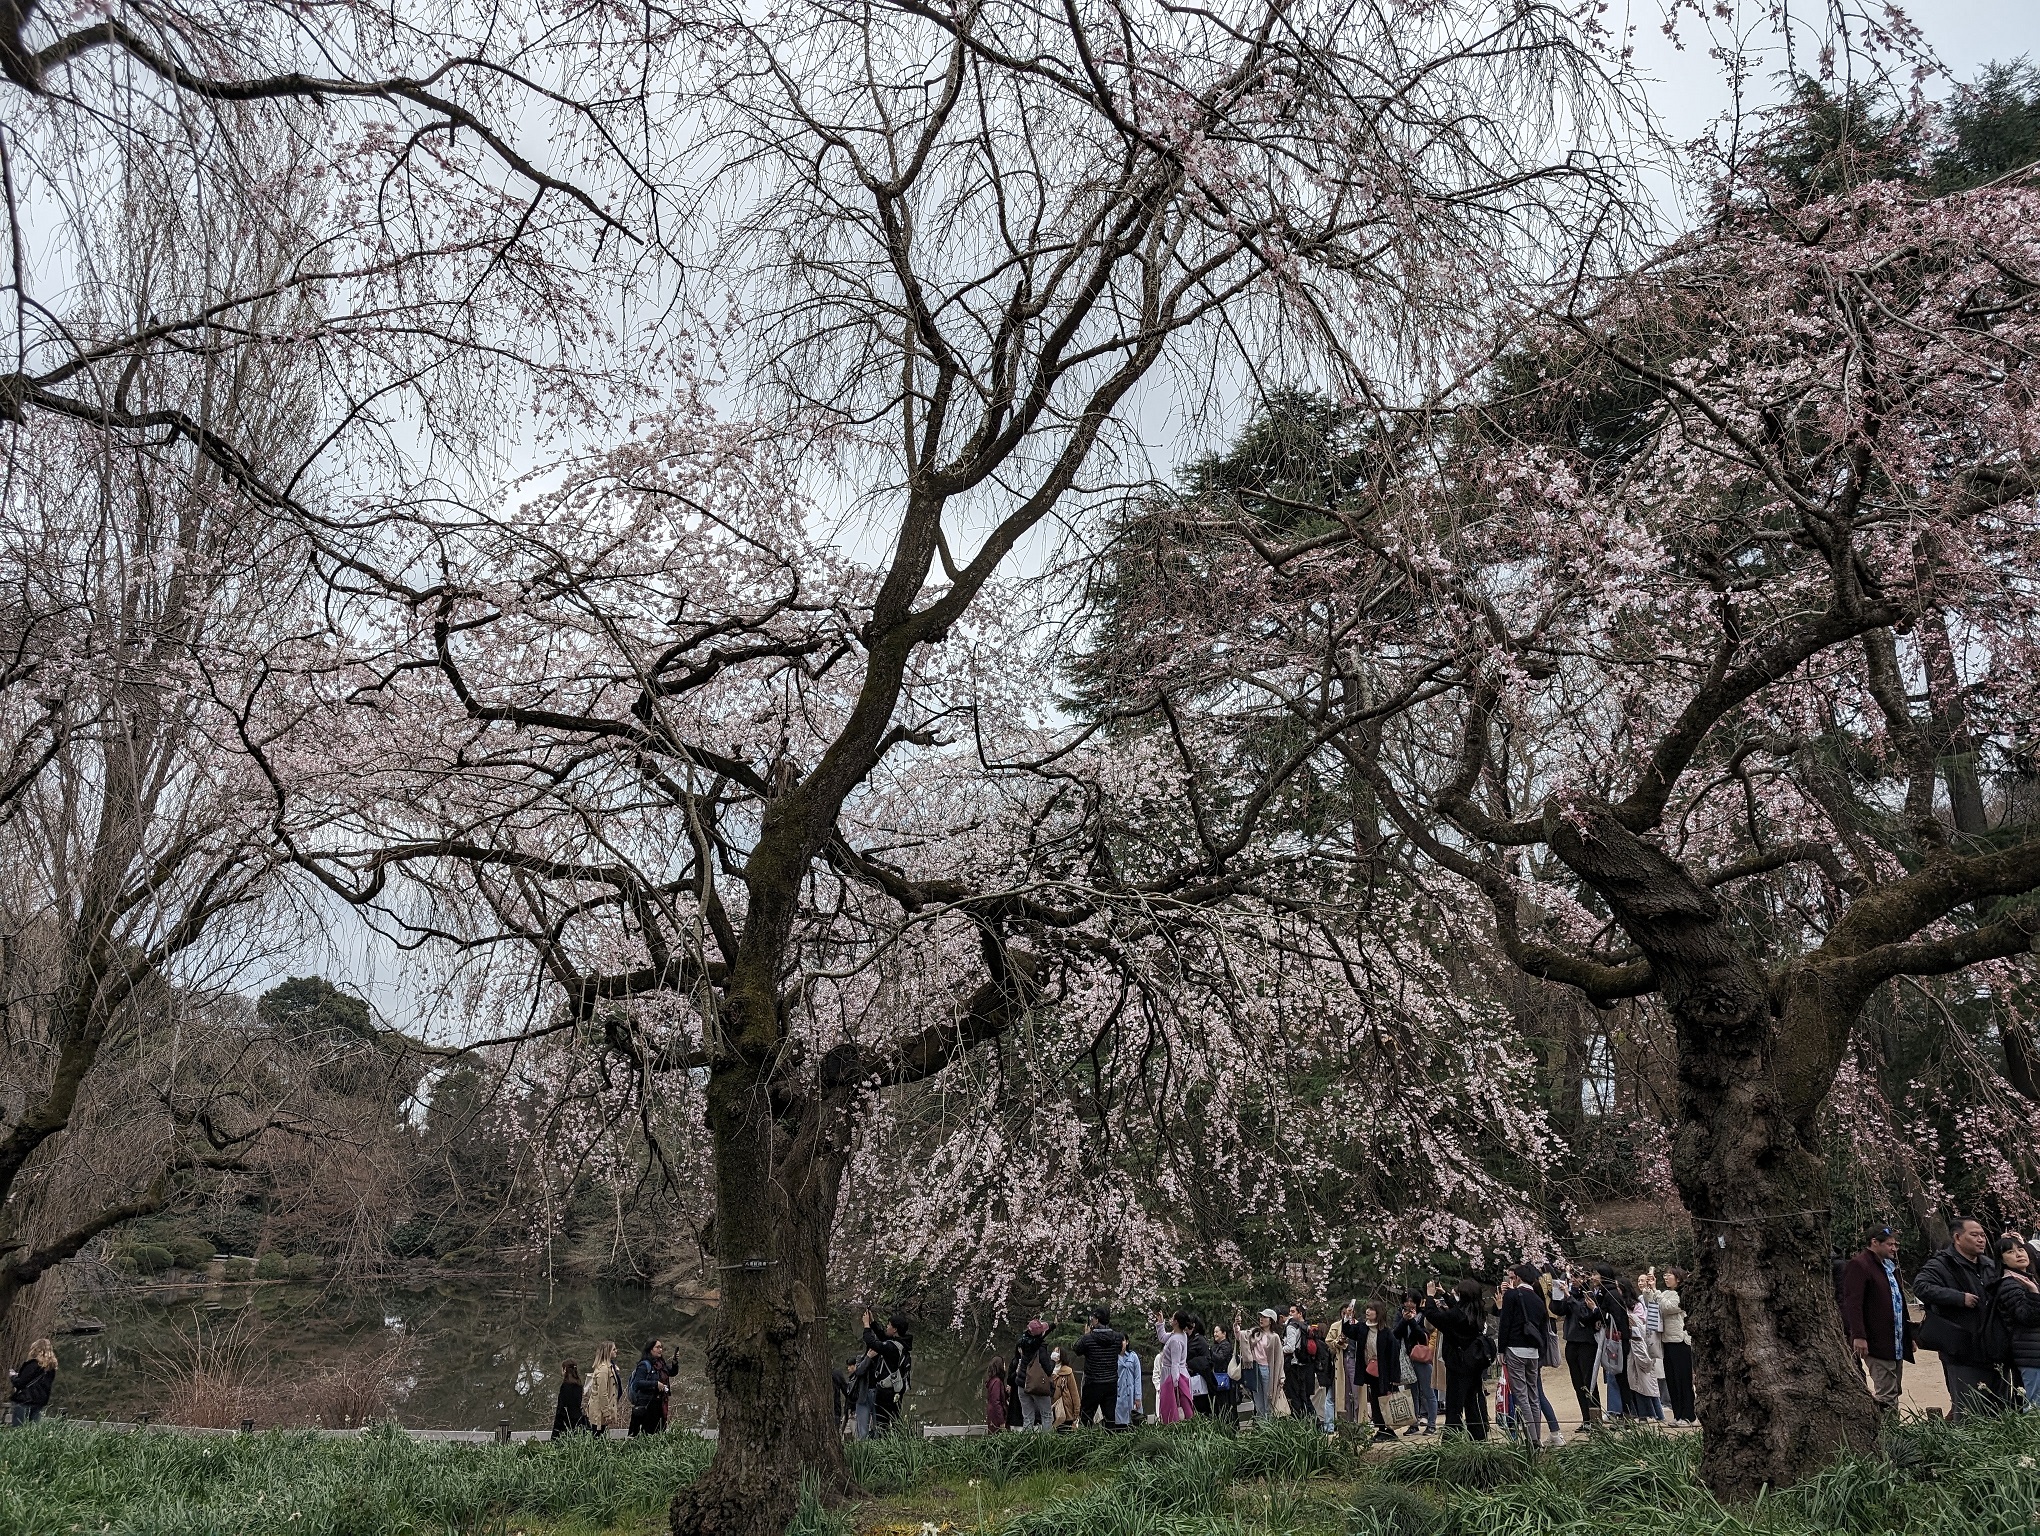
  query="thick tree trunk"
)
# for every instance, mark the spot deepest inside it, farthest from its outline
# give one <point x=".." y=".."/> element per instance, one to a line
<point x="777" y="1178"/>
<point x="1778" y="1391"/>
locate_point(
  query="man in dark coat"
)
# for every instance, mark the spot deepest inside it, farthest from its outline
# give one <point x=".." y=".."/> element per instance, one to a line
<point x="1098" y="1349"/>
<point x="1957" y="1285"/>
<point x="1873" y="1316"/>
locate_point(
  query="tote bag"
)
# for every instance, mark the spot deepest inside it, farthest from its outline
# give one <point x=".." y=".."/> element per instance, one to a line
<point x="1397" y="1410"/>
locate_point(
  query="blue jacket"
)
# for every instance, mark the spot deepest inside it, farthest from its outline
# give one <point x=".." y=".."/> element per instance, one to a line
<point x="1129" y="1388"/>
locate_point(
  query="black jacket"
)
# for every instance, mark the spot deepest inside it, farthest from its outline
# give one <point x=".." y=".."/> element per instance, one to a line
<point x="1462" y="1328"/>
<point x="1197" y="1358"/>
<point x="1951" y="1328"/>
<point x="1410" y="1332"/>
<point x="1525" y="1322"/>
<point x="567" y="1415"/>
<point x="1388" y="1348"/>
<point x="2019" y="1306"/>
<point x="32" y="1384"/>
<point x="1582" y="1316"/>
<point x="1226" y="1356"/>
<point x="1099" y="1351"/>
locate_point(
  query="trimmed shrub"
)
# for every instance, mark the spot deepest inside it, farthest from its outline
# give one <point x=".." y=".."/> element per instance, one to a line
<point x="189" y="1252"/>
<point x="150" y="1258"/>
<point x="270" y="1266"/>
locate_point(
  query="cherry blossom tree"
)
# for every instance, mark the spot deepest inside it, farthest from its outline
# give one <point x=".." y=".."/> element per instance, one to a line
<point x="800" y="825"/>
<point x="145" y="602"/>
<point x="474" y="195"/>
<point x="1724" y="600"/>
<point x="270" y="273"/>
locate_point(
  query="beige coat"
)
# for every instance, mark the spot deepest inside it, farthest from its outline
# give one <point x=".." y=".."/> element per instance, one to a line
<point x="602" y="1398"/>
<point x="1341" y="1342"/>
<point x="1068" y="1401"/>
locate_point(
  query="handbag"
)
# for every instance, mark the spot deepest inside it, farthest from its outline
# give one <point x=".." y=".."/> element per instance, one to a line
<point x="1611" y="1356"/>
<point x="1421" y="1353"/>
<point x="1397" y="1410"/>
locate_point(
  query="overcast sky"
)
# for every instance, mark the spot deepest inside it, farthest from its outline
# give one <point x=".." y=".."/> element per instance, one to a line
<point x="1687" y="89"/>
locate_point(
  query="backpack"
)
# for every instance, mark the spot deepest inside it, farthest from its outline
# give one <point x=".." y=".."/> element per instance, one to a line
<point x="1480" y="1351"/>
<point x="892" y="1372"/>
<point x="1310" y="1345"/>
<point x="644" y="1385"/>
<point x="1037" y="1382"/>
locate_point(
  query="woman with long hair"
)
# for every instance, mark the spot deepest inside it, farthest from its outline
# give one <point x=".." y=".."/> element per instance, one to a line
<point x="1173" y="1401"/>
<point x="1467" y="1352"/>
<point x="602" y="1393"/>
<point x="31" y="1382"/>
<point x="567" y="1414"/>
<point x="995" y="1398"/>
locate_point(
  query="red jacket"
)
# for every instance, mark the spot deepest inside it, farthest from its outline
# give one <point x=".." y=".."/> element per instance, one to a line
<point x="1866" y="1306"/>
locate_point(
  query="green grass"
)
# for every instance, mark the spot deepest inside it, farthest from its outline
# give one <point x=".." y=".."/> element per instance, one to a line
<point x="1928" y="1479"/>
<point x="57" y="1479"/>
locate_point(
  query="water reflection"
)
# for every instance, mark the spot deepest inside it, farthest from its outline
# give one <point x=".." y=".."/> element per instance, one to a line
<point x="464" y="1355"/>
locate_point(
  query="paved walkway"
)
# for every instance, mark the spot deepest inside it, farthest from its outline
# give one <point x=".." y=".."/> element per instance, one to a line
<point x="1922" y="1390"/>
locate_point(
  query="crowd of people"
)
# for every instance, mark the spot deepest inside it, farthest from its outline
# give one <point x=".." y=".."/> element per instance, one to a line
<point x="1980" y="1313"/>
<point x="606" y="1400"/>
<point x="1406" y="1362"/>
<point x="1623" y="1344"/>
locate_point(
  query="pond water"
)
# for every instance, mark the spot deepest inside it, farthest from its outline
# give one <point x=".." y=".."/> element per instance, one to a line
<point x="464" y="1354"/>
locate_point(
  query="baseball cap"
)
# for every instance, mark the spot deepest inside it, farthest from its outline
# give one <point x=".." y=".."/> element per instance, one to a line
<point x="1269" y="1312"/>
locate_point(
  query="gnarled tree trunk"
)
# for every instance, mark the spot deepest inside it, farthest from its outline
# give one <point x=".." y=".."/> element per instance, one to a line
<point x="778" y="1170"/>
<point x="1778" y="1391"/>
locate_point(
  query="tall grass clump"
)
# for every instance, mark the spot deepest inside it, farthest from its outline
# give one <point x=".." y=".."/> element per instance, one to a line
<point x="811" y="1518"/>
<point x="1292" y="1449"/>
<point x="1170" y="1483"/>
<point x="896" y="1464"/>
<point x="1457" y="1462"/>
<point x="1391" y="1509"/>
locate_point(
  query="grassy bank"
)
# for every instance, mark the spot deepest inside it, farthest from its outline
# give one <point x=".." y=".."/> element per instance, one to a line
<point x="60" y="1479"/>
<point x="1929" y="1479"/>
